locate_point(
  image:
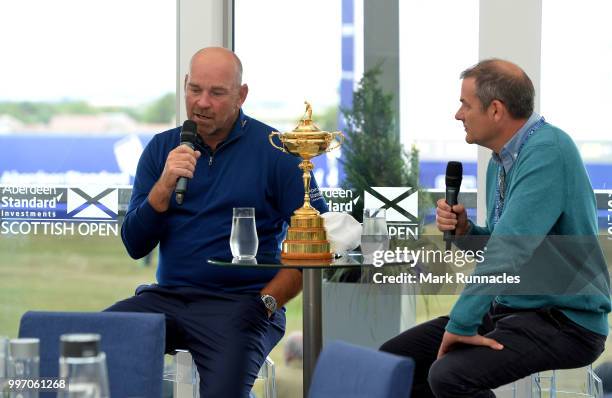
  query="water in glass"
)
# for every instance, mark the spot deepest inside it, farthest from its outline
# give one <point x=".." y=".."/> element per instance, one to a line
<point x="374" y="235"/>
<point x="243" y="238"/>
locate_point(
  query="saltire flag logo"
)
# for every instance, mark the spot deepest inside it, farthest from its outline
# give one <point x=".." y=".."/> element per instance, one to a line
<point x="92" y="202"/>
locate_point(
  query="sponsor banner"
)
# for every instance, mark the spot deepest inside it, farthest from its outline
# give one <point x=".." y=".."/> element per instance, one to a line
<point x="58" y="228"/>
<point x="402" y="209"/>
<point x="48" y="210"/>
<point x="339" y="199"/>
<point x="401" y="203"/>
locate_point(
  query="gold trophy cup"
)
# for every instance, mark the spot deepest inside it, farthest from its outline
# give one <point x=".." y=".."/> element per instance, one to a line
<point x="306" y="237"/>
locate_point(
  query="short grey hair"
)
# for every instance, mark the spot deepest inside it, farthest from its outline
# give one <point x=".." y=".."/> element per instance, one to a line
<point x="501" y="80"/>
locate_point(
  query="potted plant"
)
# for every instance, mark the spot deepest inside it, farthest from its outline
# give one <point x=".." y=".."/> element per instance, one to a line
<point x="354" y="309"/>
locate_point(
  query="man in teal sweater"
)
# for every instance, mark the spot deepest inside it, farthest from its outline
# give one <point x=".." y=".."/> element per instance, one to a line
<point x="541" y="226"/>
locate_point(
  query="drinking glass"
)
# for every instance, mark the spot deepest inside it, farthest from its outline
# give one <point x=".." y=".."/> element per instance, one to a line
<point x="374" y="235"/>
<point x="244" y="261"/>
<point x="243" y="238"/>
<point x="83" y="365"/>
<point x="24" y="363"/>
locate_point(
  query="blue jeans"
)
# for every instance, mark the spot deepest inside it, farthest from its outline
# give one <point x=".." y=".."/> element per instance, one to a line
<point x="228" y="335"/>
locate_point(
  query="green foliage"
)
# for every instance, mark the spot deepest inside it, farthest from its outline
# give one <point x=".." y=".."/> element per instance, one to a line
<point x="328" y="119"/>
<point x="41" y="112"/>
<point x="161" y="110"/>
<point x="372" y="153"/>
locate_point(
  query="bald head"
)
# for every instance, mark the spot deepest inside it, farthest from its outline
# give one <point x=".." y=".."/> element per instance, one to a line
<point x="497" y="79"/>
<point x="214" y="93"/>
<point x="218" y="56"/>
<point x="502" y="66"/>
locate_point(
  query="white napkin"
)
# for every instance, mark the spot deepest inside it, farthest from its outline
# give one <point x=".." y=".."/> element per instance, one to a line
<point x="343" y="231"/>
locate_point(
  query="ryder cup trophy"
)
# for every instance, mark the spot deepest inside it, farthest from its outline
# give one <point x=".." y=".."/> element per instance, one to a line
<point x="306" y="237"/>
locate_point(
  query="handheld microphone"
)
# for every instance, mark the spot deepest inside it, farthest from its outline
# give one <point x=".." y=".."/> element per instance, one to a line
<point x="188" y="137"/>
<point x="454" y="174"/>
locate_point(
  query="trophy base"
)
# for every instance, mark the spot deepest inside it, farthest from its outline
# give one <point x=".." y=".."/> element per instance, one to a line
<point x="301" y="262"/>
<point x="306" y="256"/>
<point x="307" y="240"/>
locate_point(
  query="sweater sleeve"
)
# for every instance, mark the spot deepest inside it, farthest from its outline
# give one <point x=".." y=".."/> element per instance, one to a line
<point x="475" y="239"/>
<point x="535" y="201"/>
<point x="143" y="226"/>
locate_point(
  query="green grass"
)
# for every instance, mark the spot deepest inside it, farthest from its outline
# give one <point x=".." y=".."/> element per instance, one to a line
<point x="63" y="273"/>
<point x="77" y="274"/>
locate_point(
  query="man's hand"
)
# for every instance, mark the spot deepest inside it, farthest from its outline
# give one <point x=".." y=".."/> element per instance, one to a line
<point x="447" y="220"/>
<point x="285" y="285"/>
<point x="450" y="338"/>
<point x="181" y="162"/>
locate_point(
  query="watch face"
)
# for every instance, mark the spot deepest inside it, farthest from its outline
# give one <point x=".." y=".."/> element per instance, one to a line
<point x="269" y="302"/>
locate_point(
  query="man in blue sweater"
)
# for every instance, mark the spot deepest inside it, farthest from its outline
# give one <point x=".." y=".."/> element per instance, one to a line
<point x="542" y="226"/>
<point x="228" y="318"/>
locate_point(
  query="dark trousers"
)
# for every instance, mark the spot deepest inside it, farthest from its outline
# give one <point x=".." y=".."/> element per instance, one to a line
<point x="533" y="341"/>
<point x="229" y="335"/>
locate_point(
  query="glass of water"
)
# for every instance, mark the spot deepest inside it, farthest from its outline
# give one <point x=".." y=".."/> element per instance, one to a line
<point x="243" y="239"/>
<point x="374" y="235"/>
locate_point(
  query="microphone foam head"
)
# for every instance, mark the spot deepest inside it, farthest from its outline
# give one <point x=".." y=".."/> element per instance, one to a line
<point x="454" y="174"/>
<point x="189" y="131"/>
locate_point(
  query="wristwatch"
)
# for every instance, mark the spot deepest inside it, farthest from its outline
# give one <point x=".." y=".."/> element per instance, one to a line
<point x="269" y="302"/>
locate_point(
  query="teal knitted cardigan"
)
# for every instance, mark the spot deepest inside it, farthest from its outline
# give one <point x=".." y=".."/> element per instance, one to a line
<point x="547" y="234"/>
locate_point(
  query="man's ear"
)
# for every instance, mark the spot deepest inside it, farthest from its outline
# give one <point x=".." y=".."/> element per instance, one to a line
<point x="185" y="83"/>
<point x="243" y="91"/>
<point x="497" y="110"/>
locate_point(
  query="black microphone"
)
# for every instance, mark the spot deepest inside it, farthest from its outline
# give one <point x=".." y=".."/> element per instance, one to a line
<point x="454" y="174"/>
<point x="189" y="133"/>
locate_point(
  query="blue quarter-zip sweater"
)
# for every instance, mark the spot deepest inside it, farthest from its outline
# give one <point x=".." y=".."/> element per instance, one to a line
<point x="244" y="171"/>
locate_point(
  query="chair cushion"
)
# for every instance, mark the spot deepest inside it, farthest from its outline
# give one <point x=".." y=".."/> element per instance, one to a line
<point x="133" y="344"/>
<point x="345" y="370"/>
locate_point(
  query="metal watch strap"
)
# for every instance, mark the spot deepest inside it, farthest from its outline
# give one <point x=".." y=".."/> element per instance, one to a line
<point x="269" y="302"/>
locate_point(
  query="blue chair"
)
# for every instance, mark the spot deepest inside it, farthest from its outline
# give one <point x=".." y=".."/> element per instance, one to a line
<point x="345" y="370"/>
<point x="133" y="343"/>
